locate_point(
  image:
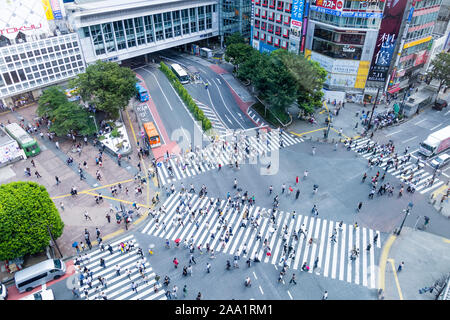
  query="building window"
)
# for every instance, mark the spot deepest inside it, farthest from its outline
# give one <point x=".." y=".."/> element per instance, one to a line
<point x="208" y="23"/>
<point x="97" y="40"/>
<point x="159" y="34"/>
<point x="193" y="20"/>
<point x="201" y="18"/>
<point x="120" y="35"/>
<point x="149" y="29"/>
<point x="140" y="35"/>
<point x="168" y="25"/>
<point x="129" y="32"/>
<point x="109" y="37"/>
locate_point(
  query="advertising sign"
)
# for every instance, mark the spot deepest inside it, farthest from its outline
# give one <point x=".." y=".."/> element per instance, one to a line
<point x="56" y="8"/>
<point x="350" y="14"/>
<point x="341" y="66"/>
<point x="421" y="57"/>
<point x="341" y="80"/>
<point x="329" y="4"/>
<point x="297" y="13"/>
<point x="386" y="40"/>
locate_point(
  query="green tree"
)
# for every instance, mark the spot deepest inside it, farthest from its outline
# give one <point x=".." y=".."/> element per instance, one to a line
<point x="65" y="116"/>
<point x="106" y="85"/>
<point x="238" y="53"/>
<point x="440" y="69"/>
<point x="234" y="38"/>
<point x="25" y="212"/>
<point x="251" y="66"/>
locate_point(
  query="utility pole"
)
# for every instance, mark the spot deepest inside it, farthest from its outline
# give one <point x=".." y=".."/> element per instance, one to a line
<point x="410" y="205"/>
<point x="373" y="109"/>
<point x="53" y="240"/>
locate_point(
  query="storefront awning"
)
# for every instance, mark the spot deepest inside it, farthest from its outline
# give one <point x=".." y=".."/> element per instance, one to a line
<point x="394" y="90"/>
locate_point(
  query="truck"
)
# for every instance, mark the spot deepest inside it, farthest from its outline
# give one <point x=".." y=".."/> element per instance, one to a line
<point x="436" y="142"/>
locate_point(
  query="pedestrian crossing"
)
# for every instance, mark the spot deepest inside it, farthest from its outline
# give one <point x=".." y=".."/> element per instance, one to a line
<point x="250" y="232"/>
<point x="216" y="123"/>
<point x="118" y="287"/>
<point x="255" y="117"/>
<point x="422" y="180"/>
<point x="222" y="151"/>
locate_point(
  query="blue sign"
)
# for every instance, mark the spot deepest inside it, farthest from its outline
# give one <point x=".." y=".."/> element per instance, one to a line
<point x="159" y="164"/>
<point x="297" y="10"/>
<point x="348" y="14"/>
<point x="265" y="48"/>
<point x="411" y="11"/>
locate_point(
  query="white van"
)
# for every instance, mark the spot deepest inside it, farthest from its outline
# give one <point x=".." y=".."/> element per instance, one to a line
<point x="38" y="274"/>
<point x="44" y="294"/>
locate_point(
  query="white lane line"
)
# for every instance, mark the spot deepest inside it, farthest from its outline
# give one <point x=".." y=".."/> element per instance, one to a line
<point x="420" y="121"/>
<point x="409" y="139"/>
<point x="221" y="97"/>
<point x="447" y="113"/>
<point x="260" y="289"/>
<point x="254" y="274"/>
<point x="218" y="80"/>
<point x="228" y="119"/>
<point x="290" y="296"/>
<point x="436" y="126"/>
<point x="392" y="133"/>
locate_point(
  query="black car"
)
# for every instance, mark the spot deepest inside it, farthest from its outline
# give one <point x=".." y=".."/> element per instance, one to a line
<point x="440" y="104"/>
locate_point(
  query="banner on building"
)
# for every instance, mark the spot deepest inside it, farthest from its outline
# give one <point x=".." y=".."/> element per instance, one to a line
<point x="329" y="4"/>
<point x="386" y="40"/>
<point x="56" y="8"/>
<point x="349" y="14"/>
<point x="48" y="10"/>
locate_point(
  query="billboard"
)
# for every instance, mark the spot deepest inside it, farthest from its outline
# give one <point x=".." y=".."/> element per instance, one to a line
<point x="329" y="4"/>
<point x="297" y="13"/>
<point x="25" y="16"/>
<point x="386" y="40"/>
<point x="56" y="8"/>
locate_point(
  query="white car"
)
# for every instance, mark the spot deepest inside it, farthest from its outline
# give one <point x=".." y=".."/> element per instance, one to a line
<point x="440" y="161"/>
<point x="44" y="294"/>
<point x="3" y="292"/>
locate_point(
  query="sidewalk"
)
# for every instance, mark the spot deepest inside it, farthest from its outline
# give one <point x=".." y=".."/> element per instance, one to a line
<point x="422" y="268"/>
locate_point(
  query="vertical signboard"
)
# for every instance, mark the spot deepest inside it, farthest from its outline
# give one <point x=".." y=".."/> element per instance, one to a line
<point x="47" y="9"/>
<point x="386" y="40"/>
<point x="296" y="24"/>
<point x="252" y="19"/>
<point x="56" y="8"/>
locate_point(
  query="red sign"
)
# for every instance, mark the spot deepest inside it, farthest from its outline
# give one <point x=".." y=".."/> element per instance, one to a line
<point x="329" y="4"/>
<point x="296" y="23"/>
<point x="339" y="4"/>
<point x="421" y="58"/>
<point x="22" y="28"/>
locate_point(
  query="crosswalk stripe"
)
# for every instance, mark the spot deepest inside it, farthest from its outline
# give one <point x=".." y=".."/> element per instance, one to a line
<point x="349" y="264"/>
<point x="434" y="186"/>
<point x="332" y="256"/>
<point x="342" y="259"/>
<point x="356" y="230"/>
<point x="364" y="256"/>
<point x="372" y="260"/>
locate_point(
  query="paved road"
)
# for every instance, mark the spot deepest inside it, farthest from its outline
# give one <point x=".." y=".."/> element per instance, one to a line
<point x="218" y="95"/>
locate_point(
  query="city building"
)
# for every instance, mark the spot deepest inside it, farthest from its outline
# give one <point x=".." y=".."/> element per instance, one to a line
<point x="415" y="46"/>
<point x="116" y="30"/>
<point x="235" y="17"/>
<point x="37" y="49"/>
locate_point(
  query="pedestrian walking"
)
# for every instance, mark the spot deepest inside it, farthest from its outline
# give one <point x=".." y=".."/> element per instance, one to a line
<point x="208" y="267"/>
<point x="102" y="263"/>
<point x="293" y="279"/>
<point x="86" y="215"/>
<point x="134" y="286"/>
<point x="61" y="204"/>
<point x="358" y="209"/>
<point x="57" y="180"/>
<point x="325" y="295"/>
<point x="175" y="262"/>
<point x="297" y="194"/>
<point x="375" y="239"/>
<point x="117" y="270"/>
<point x="199" y="296"/>
<point x="185" y="291"/>
<point x="108" y="217"/>
<point x="400" y="266"/>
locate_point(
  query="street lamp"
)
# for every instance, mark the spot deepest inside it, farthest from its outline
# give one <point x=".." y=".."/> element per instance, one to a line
<point x="373" y="109"/>
<point x="410" y="205"/>
<point x="95" y="122"/>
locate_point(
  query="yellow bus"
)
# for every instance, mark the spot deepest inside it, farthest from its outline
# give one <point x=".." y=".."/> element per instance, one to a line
<point x="152" y="135"/>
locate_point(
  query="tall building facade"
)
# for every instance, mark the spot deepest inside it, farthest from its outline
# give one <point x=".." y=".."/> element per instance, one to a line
<point x="235" y="17"/>
<point x="38" y="48"/>
<point x="115" y="30"/>
<point x="364" y="45"/>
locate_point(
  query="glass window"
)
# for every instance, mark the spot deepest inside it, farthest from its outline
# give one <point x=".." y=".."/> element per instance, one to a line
<point x="109" y="37"/>
<point x="120" y="35"/>
<point x="23" y="56"/>
<point x="129" y="31"/>
<point x="97" y="39"/>
<point x="148" y="29"/>
<point x="140" y="35"/>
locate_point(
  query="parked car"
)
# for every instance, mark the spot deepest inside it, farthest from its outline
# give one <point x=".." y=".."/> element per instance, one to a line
<point x="440" y="104"/>
<point x="440" y="161"/>
<point x="3" y="292"/>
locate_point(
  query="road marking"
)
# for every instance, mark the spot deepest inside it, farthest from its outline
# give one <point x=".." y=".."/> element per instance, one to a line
<point x="383" y="260"/>
<point x="228" y="119"/>
<point x="420" y="121"/>
<point x="221" y="97"/>
<point x="254" y="274"/>
<point x="218" y="80"/>
<point x="396" y="279"/>
<point x="275" y="267"/>
<point x="260" y="289"/>
<point x="410" y="139"/>
<point x="436" y="126"/>
<point x="446" y="240"/>
<point x="447" y="113"/>
<point x="290" y="296"/>
<point x="390" y="134"/>
<point x="303" y="133"/>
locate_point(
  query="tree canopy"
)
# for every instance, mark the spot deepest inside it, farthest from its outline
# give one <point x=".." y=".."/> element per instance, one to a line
<point x="234" y="39"/>
<point x="440" y="69"/>
<point x="64" y="115"/>
<point x="106" y="85"/>
<point x="25" y="212"/>
<point x="281" y="77"/>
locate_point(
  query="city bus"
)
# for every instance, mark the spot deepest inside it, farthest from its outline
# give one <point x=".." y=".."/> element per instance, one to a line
<point x="141" y="93"/>
<point x="28" y="144"/>
<point x="180" y="73"/>
<point x="152" y="135"/>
